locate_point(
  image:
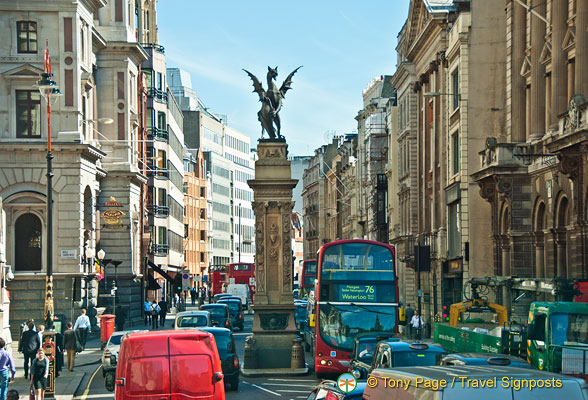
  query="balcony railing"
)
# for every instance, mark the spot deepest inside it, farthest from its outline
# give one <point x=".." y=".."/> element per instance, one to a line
<point x="160" y="249"/>
<point x="158" y="211"/>
<point x="157" y="47"/>
<point x="157" y="94"/>
<point x="405" y="247"/>
<point x="158" y="172"/>
<point x="429" y="239"/>
<point x="154" y="132"/>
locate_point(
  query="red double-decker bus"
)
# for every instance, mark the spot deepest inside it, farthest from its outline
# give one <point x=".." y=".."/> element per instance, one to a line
<point x="356" y="292"/>
<point x="308" y="277"/>
<point x="218" y="276"/>
<point x="243" y="273"/>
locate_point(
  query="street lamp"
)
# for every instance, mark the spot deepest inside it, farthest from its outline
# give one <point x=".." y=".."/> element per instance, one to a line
<point x="48" y="87"/>
<point x="114" y="288"/>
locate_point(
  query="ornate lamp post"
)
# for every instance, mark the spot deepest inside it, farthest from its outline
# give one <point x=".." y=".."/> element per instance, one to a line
<point x="48" y="87"/>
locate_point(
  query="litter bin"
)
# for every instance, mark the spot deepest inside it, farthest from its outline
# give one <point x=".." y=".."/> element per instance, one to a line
<point x="106" y="327"/>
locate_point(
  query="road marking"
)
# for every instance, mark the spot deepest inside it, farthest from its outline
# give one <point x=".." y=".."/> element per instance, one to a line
<point x="293" y="379"/>
<point x="281" y="384"/>
<point x="242" y="334"/>
<point x="85" y="395"/>
<point x="96" y="396"/>
<point x="264" y="389"/>
<point x="293" y="391"/>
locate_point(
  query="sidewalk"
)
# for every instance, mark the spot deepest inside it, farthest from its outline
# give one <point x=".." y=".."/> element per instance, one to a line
<point x="68" y="382"/>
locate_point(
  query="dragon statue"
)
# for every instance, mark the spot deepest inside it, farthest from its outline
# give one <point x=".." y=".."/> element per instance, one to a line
<point x="271" y="100"/>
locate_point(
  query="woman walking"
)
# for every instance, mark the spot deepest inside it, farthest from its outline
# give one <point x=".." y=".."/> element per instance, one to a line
<point x="7" y="369"/>
<point x="39" y="374"/>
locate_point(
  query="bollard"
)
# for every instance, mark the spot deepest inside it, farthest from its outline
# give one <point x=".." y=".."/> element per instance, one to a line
<point x="297" y="354"/>
<point x="250" y="357"/>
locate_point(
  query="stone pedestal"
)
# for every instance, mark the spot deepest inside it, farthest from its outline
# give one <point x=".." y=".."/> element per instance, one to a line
<point x="274" y="326"/>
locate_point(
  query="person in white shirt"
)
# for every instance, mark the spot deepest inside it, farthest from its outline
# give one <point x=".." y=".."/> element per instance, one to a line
<point x="417" y="323"/>
<point x="83" y="327"/>
<point x="155" y="309"/>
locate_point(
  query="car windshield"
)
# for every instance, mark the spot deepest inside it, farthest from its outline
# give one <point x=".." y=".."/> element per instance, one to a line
<point x="233" y="306"/>
<point x="216" y="312"/>
<point x="224" y="343"/>
<point x="568" y="328"/>
<point x="339" y="324"/>
<point x="415" y="358"/>
<point x="116" y="339"/>
<point x="192" y="321"/>
<point x="366" y="350"/>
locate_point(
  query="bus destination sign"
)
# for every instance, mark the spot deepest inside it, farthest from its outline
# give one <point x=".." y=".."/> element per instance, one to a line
<point x="348" y="292"/>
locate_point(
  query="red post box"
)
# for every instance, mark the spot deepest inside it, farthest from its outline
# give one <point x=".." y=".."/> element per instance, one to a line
<point x="106" y="327"/>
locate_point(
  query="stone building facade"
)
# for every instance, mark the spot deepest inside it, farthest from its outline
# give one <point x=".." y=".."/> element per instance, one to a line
<point x="533" y="172"/>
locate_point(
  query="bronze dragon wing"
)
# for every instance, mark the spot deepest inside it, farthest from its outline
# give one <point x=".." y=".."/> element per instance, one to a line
<point x="287" y="82"/>
<point x="257" y="88"/>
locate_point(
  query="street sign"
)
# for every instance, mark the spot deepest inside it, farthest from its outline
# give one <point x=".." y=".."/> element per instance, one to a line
<point x="186" y="280"/>
<point x="252" y="281"/>
<point x="420" y="293"/>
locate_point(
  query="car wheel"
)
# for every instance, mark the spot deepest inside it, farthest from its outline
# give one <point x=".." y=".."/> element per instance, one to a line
<point x="103" y="373"/>
<point x="235" y="384"/>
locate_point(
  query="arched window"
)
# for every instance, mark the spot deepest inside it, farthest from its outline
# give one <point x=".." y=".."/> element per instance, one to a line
<point x="561" y="223"/>
<point x="28" y="243"/>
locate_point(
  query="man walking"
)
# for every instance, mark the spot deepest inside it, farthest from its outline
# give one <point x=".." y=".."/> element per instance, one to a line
<point x="193" y="296"/>
<point x="147" y="311"/>
<point x="409" y="312"/>
<point x="83" y="327"/>
<point x="28" y="346"/>
<point x="69" y="342"/>
<point x="417" y="324"/>
<point x="163" y="312"/>
<point x="155" y="309"/>
<point x="7" y="369"/>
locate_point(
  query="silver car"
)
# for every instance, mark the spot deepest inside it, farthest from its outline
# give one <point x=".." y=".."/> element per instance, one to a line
<point x="110" y="353"/>
<point x="192" y="319"/>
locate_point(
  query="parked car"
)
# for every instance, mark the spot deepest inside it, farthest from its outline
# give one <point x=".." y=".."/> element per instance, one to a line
<point x="227" y="353"/>
<point x="192" y="319"/>
<point x="327" y="390"/>
<point x="219" y="296"/>
<point x="485" y="359"/>
<point x="364" y="347"/>
<point x="396" y="353"/>
<point x="220" y="315"/>
<point x="110" y="353"/>
<point x="509" y="384"/>
<point x="236" y="310"/>
<point x="169" y="364"/>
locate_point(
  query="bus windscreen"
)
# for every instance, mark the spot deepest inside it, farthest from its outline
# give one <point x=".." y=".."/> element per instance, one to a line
<point x="357" y="261"/>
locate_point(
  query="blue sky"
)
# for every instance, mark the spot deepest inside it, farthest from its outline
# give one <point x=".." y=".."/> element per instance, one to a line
<point x="342" y="46"/>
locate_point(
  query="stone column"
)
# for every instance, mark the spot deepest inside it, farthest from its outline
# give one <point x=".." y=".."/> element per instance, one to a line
<point x="518" y="103"/>
<point x="559" y="90"/>
<point x="269" y="349"/>
<point x="581" y="84"/>
<point x="539" y="255"/>
<point x="537" y="73"/>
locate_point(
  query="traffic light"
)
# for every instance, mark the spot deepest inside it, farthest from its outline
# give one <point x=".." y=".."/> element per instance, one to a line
<point x="92" y="291"/>
<point x="79" y="292"/>
<point x="178" y="283"/>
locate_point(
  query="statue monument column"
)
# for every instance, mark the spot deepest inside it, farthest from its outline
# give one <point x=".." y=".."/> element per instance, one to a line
<point x="273" y="347"/>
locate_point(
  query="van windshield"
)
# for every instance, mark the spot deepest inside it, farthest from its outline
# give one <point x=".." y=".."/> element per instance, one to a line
<point x="192" y="321"/>
<point x="568" y="328"/>
<point x="216" y="312"/>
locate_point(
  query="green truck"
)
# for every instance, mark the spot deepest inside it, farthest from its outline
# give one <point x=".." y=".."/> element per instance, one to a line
<point x="555" y="339"/>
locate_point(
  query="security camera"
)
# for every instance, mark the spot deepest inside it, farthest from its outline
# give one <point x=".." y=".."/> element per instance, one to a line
<point x="9" y="275"/>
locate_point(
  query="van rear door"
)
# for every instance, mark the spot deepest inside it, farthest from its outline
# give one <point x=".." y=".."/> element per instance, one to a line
<point x="191" y="367"/>
<point x="147" y="371"/>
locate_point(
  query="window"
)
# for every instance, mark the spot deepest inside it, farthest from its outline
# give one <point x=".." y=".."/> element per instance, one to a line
<point x="161" y="121"/>
<point x="202" y="235"/>
<point x="201" y="257"/>
<point x="455" y="88"/>
<point x="162" y="197"/>
<point x="202" y="213"/>
<point x="28" y="243"/>
<point x="453" y="231"/>
<point x="26" y="33"/>
<point x="202" y="192"/>
<point x="162" y="235"/>
<point x="159" y="81"/>
<point x="455" y="152"/>
<point x="28" y="114"/>
<point x="161" y="159"/>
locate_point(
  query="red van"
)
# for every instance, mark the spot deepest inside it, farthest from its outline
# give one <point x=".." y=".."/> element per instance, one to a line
<point x="169" y="365"/>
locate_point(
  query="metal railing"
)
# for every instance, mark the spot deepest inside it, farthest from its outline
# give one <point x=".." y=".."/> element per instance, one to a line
<point x="429" y="239"/>
<point x="158" y="172"/>
<point x="154" y="46"/>
<point x="160" y="249"/>
<point x="154" y="132"/>
<point x="158" y="211"/>
<point x="158" y="94"/>
<point x="405" y="247"/>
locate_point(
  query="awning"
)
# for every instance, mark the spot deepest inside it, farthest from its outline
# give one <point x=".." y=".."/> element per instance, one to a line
<point x="152" y="283"/>
<point x="155" y="268"/>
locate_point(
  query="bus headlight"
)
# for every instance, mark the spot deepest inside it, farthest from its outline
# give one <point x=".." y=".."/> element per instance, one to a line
<point x="329" y="362"/>
<point x="323" y="362"/>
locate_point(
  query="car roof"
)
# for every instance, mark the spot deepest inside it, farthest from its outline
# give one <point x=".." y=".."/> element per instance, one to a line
<point x="195" y="312"/>
<point x="484" y="356"/>
<point x="471" y="371"/>
<point x="215" y="305"/>
<point x="215" y="330"/>
<point x="229" y="300"/>
<point x="120" y="333"/>
<point x="399" y="345"/>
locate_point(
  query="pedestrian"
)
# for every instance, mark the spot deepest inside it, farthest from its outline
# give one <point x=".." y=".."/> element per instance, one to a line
<point x="209" y="296"/>
<point x="28" y="346"/>
<point x="417" y="324"/>
<point x="155" y="309"/>
<point x="147" y="311"/>
<point x="7" y="369"/>
<point x="83" y="327"/>
<point x="40" y="330"/>
<point x="58" y="353"/>
<point x="200" y="297"/>
<point x="39" y="374"/>
<point x="12" y="395"/>
<point x="162" y="312"/>
<point x="177" y="300"/>
<point x="193" y="296"/>
<point x="409" y="312"/>
<point x="69" y="342"/>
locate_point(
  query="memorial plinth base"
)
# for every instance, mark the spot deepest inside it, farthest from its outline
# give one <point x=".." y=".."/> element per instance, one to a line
<point x="269" y="349"/>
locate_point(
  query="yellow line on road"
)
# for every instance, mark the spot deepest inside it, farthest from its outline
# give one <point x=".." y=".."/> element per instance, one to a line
<point x="89" y="383"/>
